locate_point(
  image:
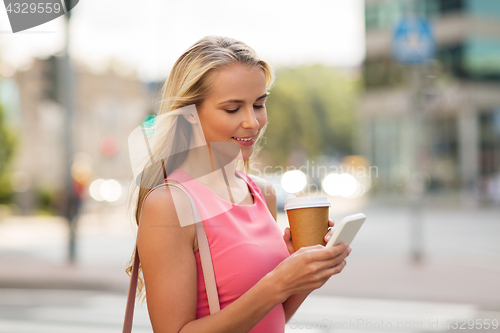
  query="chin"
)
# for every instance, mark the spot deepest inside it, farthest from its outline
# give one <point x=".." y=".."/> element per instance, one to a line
<point x="247" y="155"/>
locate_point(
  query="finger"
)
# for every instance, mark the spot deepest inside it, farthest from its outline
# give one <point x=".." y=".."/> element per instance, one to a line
<point x="338" y="268"/>
<point x="332" y="270"/>
<point x="288" y="234"/>
<point x="337" y="260"/>
<point x="320" y="253"/>
<point x="328" y="235"/>
<point x="311" y="251"/>
<point x="338" y="250"/>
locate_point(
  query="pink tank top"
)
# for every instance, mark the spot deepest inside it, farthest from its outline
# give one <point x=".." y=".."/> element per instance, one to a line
<point x="245" y="243"/>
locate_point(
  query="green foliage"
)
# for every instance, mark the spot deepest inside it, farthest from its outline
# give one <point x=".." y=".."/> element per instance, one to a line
<point x="310" y="108"/>
<point x="7" y="145"/>
<point x="47" y="201"/>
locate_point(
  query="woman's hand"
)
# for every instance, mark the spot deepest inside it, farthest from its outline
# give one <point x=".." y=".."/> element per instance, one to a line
<point x="287" y="236"/>
<point x="308" y="268"/>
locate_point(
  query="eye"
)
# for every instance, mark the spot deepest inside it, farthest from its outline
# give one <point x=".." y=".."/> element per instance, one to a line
<point x="259" y="106"/>
<point x="232" y="111"/>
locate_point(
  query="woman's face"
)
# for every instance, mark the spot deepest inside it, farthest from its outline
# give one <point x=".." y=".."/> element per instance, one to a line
<point x="235" y="109"/>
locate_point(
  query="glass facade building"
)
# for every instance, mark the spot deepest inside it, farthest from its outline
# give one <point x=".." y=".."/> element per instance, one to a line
<point x="459" y="99"/>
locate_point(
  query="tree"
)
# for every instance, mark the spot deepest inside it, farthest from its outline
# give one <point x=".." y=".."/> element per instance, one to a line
<point x="7" y="144"/>
<point x="311" y="108"/>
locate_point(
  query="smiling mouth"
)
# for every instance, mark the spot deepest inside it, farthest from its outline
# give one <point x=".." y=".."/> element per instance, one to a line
<point x="243" y="139"/>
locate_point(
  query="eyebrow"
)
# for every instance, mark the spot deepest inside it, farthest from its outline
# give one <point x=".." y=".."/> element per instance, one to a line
<point x="242" y="101"/>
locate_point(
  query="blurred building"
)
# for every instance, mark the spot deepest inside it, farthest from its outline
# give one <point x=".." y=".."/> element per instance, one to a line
<point x="108" y="107"/>
<point x="460" y="102"/>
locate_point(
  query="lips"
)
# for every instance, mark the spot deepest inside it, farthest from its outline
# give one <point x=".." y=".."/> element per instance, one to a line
<point x="246" y="138"/>
<point x="245" y="141"/>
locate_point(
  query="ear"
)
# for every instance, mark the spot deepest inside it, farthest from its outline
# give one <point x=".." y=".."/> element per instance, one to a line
<point x="191" y="118"/>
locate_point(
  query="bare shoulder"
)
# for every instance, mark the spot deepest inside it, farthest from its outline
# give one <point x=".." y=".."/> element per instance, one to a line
<point x="168" y="209"/>
<point x="166" y="204"/>
<point x="268" y="192"/>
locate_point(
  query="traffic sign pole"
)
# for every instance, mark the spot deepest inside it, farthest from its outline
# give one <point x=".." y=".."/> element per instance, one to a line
<point x="68" y="100"/>
<point x="417" y="183"/>
<point x="414" y="45"/>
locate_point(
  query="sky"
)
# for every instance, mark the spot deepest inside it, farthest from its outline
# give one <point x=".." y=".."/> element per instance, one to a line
<point x="149" y="35"/>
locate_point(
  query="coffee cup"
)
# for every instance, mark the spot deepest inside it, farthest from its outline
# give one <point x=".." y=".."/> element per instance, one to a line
<point x="308" y="220"/>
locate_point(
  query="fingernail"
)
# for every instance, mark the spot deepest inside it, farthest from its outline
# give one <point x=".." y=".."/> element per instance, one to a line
<point x="328" y="237"/>
<point x="349" y="248"/>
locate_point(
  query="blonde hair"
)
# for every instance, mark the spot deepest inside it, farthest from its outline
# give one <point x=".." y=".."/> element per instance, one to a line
<point x="189" y="83"/>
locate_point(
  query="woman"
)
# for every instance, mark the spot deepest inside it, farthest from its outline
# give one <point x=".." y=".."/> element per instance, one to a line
<point x="261" y="280"/>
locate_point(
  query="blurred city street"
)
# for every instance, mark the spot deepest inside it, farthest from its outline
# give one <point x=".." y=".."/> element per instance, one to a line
<point x="388" y="107"/>
<point x="456" y="280"/>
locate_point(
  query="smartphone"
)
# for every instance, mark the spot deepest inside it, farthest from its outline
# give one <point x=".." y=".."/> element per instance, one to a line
<point x="346" y="229"/>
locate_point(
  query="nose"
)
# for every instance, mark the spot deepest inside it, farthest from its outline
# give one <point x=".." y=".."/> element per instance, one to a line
<point x="250" y="120"/>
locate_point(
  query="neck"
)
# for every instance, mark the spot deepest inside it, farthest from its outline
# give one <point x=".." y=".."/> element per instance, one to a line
<point x="201" y="164"/>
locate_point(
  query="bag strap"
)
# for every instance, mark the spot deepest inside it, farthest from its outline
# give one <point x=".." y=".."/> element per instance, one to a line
<point x="129" y="310"/>
<point x="206" y="265"/>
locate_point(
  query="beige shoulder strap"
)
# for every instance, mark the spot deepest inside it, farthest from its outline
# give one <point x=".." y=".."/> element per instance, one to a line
<point x="206" y="265"/>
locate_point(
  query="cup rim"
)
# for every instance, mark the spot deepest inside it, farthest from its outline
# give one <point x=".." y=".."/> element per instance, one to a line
<point x="306" y="202"/>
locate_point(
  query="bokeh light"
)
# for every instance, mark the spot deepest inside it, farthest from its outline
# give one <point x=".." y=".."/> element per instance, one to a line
<point x="95" y="189"/>
<point x="344" y="185"/>
<point x="293" y="181"/>
<point x="109" y="146"/>
<point x="109" y="190"/>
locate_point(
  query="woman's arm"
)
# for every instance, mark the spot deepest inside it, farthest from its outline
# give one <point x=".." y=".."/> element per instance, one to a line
<point x="293" y="302"/>
<point x="291" y="305"/>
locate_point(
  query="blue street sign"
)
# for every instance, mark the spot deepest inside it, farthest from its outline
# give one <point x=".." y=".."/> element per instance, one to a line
<point x="413" y="41"/>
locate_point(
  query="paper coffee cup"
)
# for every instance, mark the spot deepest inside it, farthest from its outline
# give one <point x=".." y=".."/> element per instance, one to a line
<point x="308" y="219"/>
